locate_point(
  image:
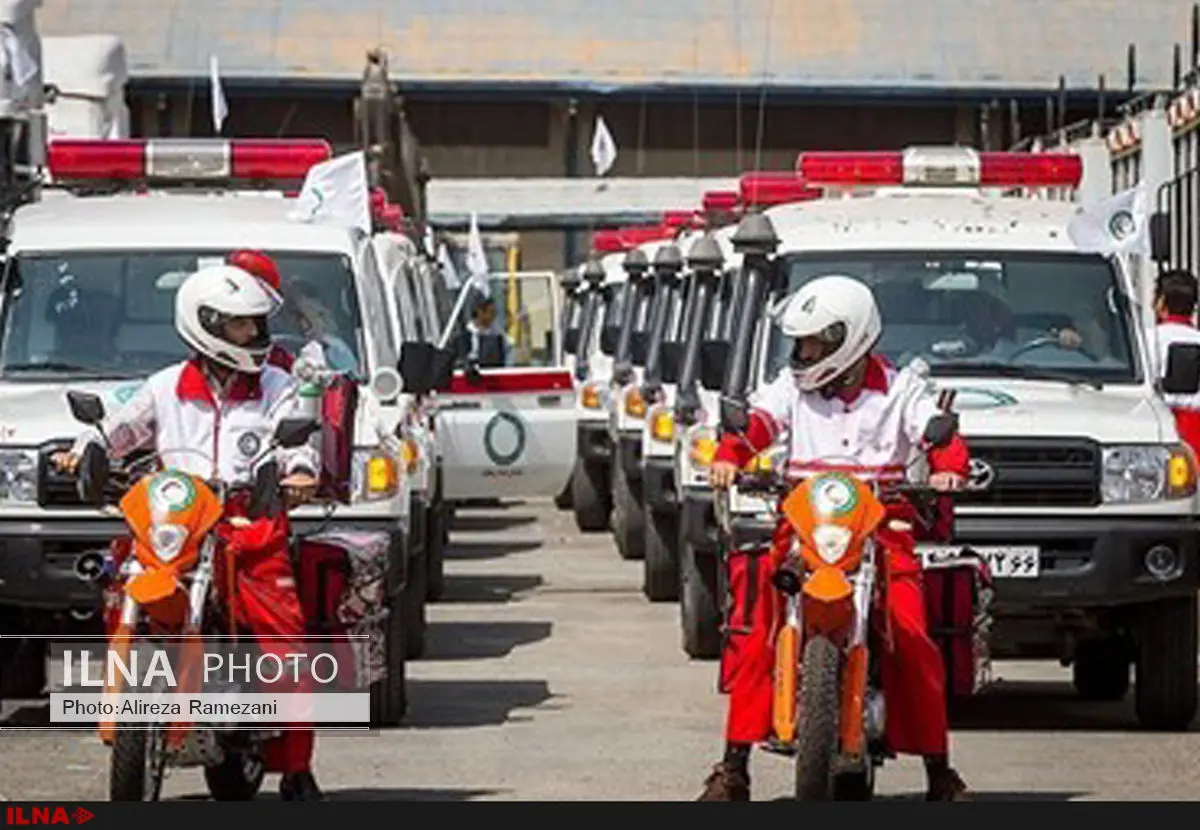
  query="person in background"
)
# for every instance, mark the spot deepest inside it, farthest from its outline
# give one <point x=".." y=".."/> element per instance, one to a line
<point x="263" y="267"/>
<point x="482" y="342"/>
<point x="1175" y="304"/>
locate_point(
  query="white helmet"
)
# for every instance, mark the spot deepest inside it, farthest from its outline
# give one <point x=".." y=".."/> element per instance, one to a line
<point x="839" y="310"/>
<point x="208" y="298"/>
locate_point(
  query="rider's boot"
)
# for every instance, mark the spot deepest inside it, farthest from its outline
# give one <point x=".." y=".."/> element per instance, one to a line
<point x="300" y="786"/>
<point x="945" y="784"/>
<point x="730" y="779"/>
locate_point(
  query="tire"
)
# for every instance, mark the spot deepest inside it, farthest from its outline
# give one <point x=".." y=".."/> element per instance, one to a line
<point x="855" y="786"/>
<point x="238" y="777"/>
<point x="699" y="601"/>
<point x="591" y="496"/>
<point x="1165" y="693"/>
<point x="817" y="731"/>
<point x="629" y="520"/>
<point x="22" y="668"/>
<point x="565" y="498"/>
<point x="1100" y="670"/>
<point x="415" y="605"/>
<point x="661" y="563"/>
<point x="435" y="541"/>
<point x="127" y="767"/>
<point x="389" y="696"/>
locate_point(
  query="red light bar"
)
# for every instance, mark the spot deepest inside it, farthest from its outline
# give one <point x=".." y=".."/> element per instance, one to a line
<point x="608" y="242"/>
<point x="763" y="189"/>
<point x="676" y="219"/>
<point x="184" y="159"/>
<point x="720" y="201"/>
<point x="941" y="167"/>
<point x="628" y="238"/>
<point x="531" y="382"/>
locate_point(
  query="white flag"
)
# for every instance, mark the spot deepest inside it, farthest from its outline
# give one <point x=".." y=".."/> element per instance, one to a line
<point x="449" y="272"/>
<point x="1118" y="225"/>
<point x="336" y="191"/>
<point x="217" y="92"/>
<point x="604" y="149"/>
<point x="477" y="261"/>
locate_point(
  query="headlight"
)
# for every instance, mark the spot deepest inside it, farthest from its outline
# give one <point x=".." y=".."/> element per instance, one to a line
<point x="635" y="404"/>
<point x="376" y="475"/>
<point x="18" y="476"/>
<point x="1140" y="473"/>
<point x="168" y="540"/>
<point x="662" y="426"/>
<point x="703" y="448"/>
<point x="591" y="397"/>
<point x="831" y="541"/>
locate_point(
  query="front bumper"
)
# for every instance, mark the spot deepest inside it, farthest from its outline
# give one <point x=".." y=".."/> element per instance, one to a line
<point x="629" y="454"/>
<point x="595" y="445"/>
<point x="1087" y="562"/>
<point x="49" y="565"/>
<point x="658" y="484"/>
<point x="698" y="519"/>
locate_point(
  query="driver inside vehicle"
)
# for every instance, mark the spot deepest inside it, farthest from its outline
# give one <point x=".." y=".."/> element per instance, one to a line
<point x="84" y="324"/>
<point x="989" y="329"/>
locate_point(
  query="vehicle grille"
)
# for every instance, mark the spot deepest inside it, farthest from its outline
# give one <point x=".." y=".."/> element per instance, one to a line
<point x="1049" y="472"/>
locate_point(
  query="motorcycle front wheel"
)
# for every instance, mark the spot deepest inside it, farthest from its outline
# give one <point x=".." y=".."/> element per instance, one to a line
<point x="137" y="764"/>
<point x="238" y="777"/>
<point x="817" y="730"/>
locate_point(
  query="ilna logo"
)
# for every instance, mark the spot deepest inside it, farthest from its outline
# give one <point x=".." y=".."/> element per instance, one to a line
<point x="46" y="815"/>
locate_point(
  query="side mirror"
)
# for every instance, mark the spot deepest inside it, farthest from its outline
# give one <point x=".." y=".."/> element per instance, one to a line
<point x="672" y="358"/>
<point x="714" y="360"/>
<point x="292" y="432"/>
<point x="93" y="472"/>
<point x="1182" y="375"/>
<point x="610" y="336"/>
<point x="443" y="368"/>
<point x="571" y="340"/>
<point x="416" y="366"/>
<point x="1160" y="236"/>
<point x="941" y="429"/>
<point x="86" y="407"/>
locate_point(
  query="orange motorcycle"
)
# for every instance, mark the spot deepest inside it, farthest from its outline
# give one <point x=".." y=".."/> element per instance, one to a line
<point x="828" y="706"/>
<point x="171" y="585"/>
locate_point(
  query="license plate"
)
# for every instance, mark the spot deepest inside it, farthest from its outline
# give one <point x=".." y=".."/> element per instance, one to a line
<point x="1004" y="562"/>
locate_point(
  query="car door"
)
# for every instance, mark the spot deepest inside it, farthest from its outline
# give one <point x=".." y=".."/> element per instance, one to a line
<point x="511" y="431"/>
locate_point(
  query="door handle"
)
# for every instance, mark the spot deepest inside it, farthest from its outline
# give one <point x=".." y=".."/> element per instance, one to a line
<point x="549" y="400"/>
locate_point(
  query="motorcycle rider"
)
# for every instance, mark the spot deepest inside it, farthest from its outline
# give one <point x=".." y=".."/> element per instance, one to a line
<point x="1175" y="304"/>
<point x="264" y="267"/>
<point x="839" y="401"/>
<point x="226" y="398"/>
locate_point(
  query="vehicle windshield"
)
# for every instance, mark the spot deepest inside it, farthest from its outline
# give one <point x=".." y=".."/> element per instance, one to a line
<point x="520" y="312"/>
<point x="99" y="315"/>
<point x="1039" y="316"/>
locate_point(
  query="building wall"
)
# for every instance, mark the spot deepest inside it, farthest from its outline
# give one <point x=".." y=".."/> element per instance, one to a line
<point x="478" y="138"/>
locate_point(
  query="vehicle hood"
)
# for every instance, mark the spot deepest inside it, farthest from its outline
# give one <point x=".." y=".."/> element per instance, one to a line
<point x="32" y="413"/>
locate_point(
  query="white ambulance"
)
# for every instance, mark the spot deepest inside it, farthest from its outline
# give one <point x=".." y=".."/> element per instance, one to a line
<point x="88" y="303"/>
<point x="1081" y="497"/>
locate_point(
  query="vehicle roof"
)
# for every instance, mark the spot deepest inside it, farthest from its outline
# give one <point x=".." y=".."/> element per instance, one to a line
<point x="172" y="221"/>
<point x="942" y="219"/>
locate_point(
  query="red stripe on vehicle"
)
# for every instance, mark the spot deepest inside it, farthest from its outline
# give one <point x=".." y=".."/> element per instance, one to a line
<point x="531" y="382"/>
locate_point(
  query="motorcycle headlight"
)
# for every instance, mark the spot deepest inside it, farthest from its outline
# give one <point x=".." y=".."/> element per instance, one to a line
<point x="18" y="476"/>
<point x="831" y="541"/>
<point x="1141" y="473"/>
<point x="168" y="540"/>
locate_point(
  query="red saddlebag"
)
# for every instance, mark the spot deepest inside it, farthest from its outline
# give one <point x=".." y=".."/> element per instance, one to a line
<point x="340" y="578"/>
<point x="339" y="407"/>
<point x="958" y="594"/>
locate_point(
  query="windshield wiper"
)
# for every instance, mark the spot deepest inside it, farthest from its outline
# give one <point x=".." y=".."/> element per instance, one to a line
<point x="92" y="372"/>
<point x="1009" y="370"/>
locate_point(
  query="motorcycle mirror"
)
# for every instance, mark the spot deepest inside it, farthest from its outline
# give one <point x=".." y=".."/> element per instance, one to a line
<point x="292" y="432"/>
<point x="86" y="407"/>
<point x="941" y="429"/>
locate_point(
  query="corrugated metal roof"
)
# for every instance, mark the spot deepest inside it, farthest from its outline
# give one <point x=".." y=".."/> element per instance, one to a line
<point x="937" y="44"/>
<point x="538" y="202"/>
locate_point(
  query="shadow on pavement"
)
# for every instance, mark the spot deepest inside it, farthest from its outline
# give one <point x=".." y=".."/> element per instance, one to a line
<point x="489" y="522"/>
<point x="498" y="588"/>
<point x="487" y="550"/>
<point x="27" y="713"/>
<point x="994" y="795"/>
<point x="471" y="640"/>
<point x="270" y="792"/>
<point x="1034" y="706"/>
<point x="441" y="704"/>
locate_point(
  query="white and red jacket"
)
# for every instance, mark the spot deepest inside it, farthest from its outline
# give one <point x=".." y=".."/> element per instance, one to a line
<point x="874" y="431"/>
<point x="177" y="412"/>
<point x="1173" y="328"/>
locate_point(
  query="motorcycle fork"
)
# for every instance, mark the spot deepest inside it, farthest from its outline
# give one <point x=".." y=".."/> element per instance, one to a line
<point x="788" y="650"/>
<point x="121" y="644"/>
<point x="854" y="670"/>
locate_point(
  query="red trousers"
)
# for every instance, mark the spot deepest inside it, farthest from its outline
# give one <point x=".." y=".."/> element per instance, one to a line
<point x="913" y="673"/>
<point x="266" y="602"/>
